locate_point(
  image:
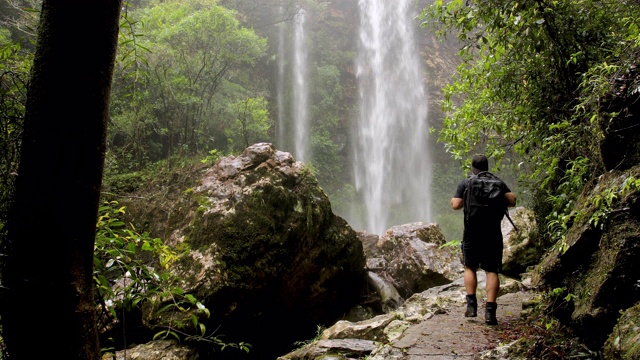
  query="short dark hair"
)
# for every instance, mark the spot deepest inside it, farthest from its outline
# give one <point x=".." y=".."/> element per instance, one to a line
<point x="480" y="162"/>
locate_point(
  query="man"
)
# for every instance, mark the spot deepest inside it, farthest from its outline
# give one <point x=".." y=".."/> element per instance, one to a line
<point x="482" y="240"/>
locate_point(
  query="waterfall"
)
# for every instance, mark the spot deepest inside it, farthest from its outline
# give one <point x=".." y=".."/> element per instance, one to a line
<point x="293" y="132"/>
<point x="300" y="91"/>
<point x="281" y="125"/>
<point x="392" y="166"/>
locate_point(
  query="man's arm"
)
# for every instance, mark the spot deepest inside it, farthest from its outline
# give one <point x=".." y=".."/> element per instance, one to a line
<point x="457" y="203"/>
<point x="511" y="199"/>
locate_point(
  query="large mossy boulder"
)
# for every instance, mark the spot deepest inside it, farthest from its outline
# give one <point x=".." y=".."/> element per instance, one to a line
<point x="598" y="261"/>
<point x="265" y="249"/>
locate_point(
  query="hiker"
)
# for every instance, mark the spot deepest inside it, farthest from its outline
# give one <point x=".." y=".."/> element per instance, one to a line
<point x="482" y="237"/>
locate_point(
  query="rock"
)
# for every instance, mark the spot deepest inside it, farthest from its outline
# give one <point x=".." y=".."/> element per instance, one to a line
<point x="387" y="353"/>
<point x="522" y="247"/>
<point x="370" y="244"/>
<point x="360" y="312"/>
<point x="412" y="258"/>
<point x="501" y="352"/>
<point x="266" y="251"/>
<point x="372" y="329"/>
<point x="389" y="297"/>
<point x="624" y="342"/>
<point x="600" y="265"/>
<point x="392" y="335"/>
<point x="333" y="349"/>
<point x="155" y="350"/>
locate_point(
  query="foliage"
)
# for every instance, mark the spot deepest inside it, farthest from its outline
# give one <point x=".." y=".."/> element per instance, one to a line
<point x="14" y="69"/>
<point x="21" y="17"/>
<point x="185" y="68"/>
<point x="603" y="203"/>
<point x="541" y="336"/>
<point x="451" y="243"/>
<point x="212" y="157"/>
<point x="123" y="183"/>
<point x="530" y="81"/>
<point x="319" y="330"/>
<point x="250" y="123"/>
<point x="124" y="282"/>
<point x="445" y="179"/>
<point x="130" y="79"/>
<point x="326" y="109"/>
<point x="180" y="64"/>
<point x="600" y="205"/>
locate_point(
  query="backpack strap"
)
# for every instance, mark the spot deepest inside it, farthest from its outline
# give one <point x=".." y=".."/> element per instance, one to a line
<point x="511" y="221"/>
<point x="466" y="196"/>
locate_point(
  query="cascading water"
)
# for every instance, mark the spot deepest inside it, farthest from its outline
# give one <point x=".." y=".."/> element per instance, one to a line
<point x="293" y="114"/>
<point x="300" y="91"/>
<point x="281" y="127"/>
<point x="391" y="161"/>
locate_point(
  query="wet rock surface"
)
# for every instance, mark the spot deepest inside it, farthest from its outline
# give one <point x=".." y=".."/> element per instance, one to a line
<point x="449" y="335"/>
<point x="411" y="258"/>
<point x="429" y="325"/>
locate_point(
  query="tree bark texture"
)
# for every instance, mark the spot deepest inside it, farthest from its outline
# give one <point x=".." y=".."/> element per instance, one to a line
<point x="48" y="307"/>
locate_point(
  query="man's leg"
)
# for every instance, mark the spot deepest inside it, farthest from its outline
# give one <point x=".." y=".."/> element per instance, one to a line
<point x="470" y="280"/>
<point x="470" y="285"/>
<point x="471" y="263"/>
<point x="492" y="286"/>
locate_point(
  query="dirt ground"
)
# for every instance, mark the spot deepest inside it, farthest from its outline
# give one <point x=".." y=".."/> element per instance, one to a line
<point x="452" y="336"/>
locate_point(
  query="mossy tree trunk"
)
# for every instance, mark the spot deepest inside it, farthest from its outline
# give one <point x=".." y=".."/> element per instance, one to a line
<point x="48" y="304"/>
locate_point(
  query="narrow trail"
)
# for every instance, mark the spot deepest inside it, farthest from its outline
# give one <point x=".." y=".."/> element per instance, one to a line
<point x="449" y="335"/>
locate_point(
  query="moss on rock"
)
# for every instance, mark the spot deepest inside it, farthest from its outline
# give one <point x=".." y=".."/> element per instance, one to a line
<point x="266" y="249"/>
<point x="624" y="341"/>
<point x="600" y="267"/>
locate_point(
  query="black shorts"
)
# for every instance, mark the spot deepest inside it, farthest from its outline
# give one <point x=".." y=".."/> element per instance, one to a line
<point x="483" y="250"/>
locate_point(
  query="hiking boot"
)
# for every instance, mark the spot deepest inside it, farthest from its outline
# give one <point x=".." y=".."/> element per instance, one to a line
<point x="472" y="306"/>
<point x="490" y="314"/>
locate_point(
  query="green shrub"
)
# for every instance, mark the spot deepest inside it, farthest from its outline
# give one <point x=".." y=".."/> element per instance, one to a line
<point x="131" y="271"/>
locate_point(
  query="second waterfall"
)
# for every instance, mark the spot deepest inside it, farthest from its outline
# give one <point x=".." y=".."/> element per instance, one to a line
<point x="392" y="166"/>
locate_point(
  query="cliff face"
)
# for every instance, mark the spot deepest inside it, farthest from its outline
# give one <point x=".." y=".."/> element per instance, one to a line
<point x="597" y="263"/>
<point x="600" y="267"/>
<point x="619" y="122"/>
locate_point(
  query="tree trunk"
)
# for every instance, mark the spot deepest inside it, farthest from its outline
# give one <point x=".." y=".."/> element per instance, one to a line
<point x="49" y="309"/>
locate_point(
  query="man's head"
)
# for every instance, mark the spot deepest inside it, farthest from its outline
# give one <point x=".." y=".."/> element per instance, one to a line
<point x="479" y="163"/>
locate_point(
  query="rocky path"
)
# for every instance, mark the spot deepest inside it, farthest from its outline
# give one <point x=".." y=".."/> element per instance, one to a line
<point x="449" y="335"/>
<point x="430" y="326"/>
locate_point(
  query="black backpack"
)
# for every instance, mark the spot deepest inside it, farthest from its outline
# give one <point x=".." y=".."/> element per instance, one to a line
<point x="484" y="198"/>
